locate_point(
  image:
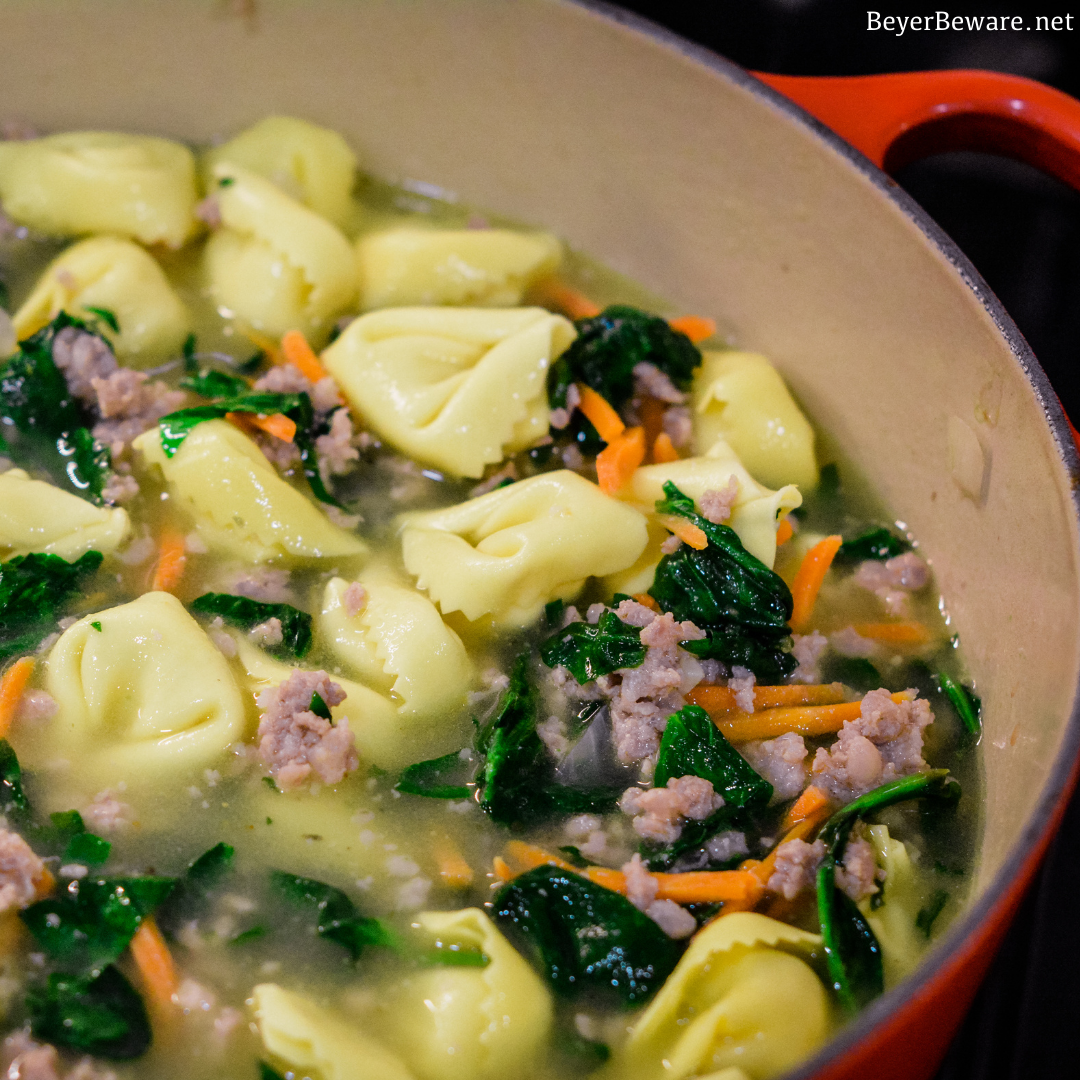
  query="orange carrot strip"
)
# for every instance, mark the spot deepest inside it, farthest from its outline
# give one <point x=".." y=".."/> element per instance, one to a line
<point x="566" y="298"/>
<point x="600" y="414"/>
<point x="171" y="562"/>
<point x="784" y="531"/>
<point x="652" y="412"/>
<point x="155" y="963"/>
<point x="898" y="633"/>
<point x="265" y="344"/>
<point x="276" y="424"/>
<point x="453" y="869"/>
<point x="12" y="687"/>
<point x="617" y="462"/>
<point x="646" y="600"/>
<point x="296" y="351"/>
<point x="809" y="720"/>
<point x="529" y="856"/>
<point x="694" y="887"/>
<point x="685" y="530"/>
<point x="501" y="870"/>
<point x="809" y="802"/>
<point x="45" y="884"/>
<point x="663" y="449"/>
<point x="808" y="579"/>
<point x="695" y="327"/>
<point x="719" y="699"/>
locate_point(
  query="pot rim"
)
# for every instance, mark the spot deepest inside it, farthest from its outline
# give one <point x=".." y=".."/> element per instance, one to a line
<point x="1061" y="779"/>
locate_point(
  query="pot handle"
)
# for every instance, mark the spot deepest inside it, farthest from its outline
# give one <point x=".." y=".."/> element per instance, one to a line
<point x="899" y="118"/>
<point x="896" y="119"/>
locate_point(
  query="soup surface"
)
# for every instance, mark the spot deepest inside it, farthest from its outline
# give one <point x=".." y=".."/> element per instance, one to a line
<point x="427" y="656"/>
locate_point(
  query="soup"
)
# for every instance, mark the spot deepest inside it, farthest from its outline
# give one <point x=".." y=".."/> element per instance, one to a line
<point x="423" y="659"/>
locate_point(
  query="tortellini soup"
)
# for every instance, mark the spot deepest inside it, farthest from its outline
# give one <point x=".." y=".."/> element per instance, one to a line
<point x="419" y="662"/>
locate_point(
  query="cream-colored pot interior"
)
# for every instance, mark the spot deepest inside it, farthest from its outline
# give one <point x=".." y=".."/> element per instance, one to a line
<point x="708" y="194"/>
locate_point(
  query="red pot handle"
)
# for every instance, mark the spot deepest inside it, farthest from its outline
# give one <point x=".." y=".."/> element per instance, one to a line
<point x="897" y="119"/>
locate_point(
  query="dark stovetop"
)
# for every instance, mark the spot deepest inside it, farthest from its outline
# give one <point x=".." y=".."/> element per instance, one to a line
<point x="1022" y="232"/>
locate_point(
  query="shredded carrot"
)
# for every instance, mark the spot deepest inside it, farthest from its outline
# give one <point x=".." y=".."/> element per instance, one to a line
<point x="556" y="293"/>
<point x="652" y="412"/>
<point x="808" y="579"/>
<point x="693" y="887"/>
<point x="663" y="449"/>
<point x="528" y="856"/>
<point x="809" y="802"/>
<point x="720" y="699"/>
<point x="811" y="720"/>
<point x="897" y="633"/>
<point x="501" y="870"/>
<point x="171" y="562"/>
<point x="453" y="869"/>
<point x="12" y="687"/>
<point x="784" y="531"/>
<point x="646" y="600"/>
<point x="155" y="964"/>
<point x="276" y="424"/>
<point x="45" y="884"/>
<point x="296" y="351"/>
<point x="265" y="344"/>
<point x="617" y="462"/>
<point x="764" y="870"/>
<point x="685" y="530"/>
<point x="695" y="327"/>
<point x="600" y="414"/>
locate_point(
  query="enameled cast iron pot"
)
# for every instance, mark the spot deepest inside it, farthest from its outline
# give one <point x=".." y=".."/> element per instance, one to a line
<point x="718" y="193"/>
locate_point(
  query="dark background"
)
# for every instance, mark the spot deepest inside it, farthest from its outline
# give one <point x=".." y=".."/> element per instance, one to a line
<point x="1022" y="232"/>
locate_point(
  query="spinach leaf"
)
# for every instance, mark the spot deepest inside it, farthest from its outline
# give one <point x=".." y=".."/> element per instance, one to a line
<point x="245" y="613"/>
<point x="880" y="543"/>
<point x="106" y="316"/>
<point x="85" y="847"/>
<point x="611" y="344"/>
<point x="455" y="956"/>
<point x="695" y="834"/>
<point x="740" y="603"/>
<point x="319" y="707"/>
<point x="92" y="921"/>
<point x="852" y="952"/>
<point x="447" y="777"/>
<point x="209" y="383"/>
<point x="925" y="919"/>
<point x="36" y="401"/>
<point x="11" y="789"/>
<point x="585" y="938"/>
<point x="517" y="777"/>
<point x="103" y="1016"/>
<point x="68" y="835"/>
<point x="194" y="886"/>
<point x="589" y="651"/>
<point x="34" y="588"/>
<point x="266" y="1072"/>
<point x="338" y="919"/>
<point x="966" y="702"/>
<point x="693" y="745"/>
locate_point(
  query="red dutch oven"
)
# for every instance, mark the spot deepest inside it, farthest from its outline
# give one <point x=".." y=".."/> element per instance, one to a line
<point x="758" y="200"/>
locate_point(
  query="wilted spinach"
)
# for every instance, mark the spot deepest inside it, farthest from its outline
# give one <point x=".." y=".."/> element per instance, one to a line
<point x="589" y="651"/>
<point x="447" y="777"/>
<point x="245" y="613"/>
<point x="740" y="603"/>
<point x="880" y="543"/>
<point x="966" y="702"/>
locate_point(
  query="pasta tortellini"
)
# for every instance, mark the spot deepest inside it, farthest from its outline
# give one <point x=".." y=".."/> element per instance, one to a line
<point x="509" y="552"/>
<point x="101" y="182"/>
<point x="738" y="997"/>
<point x="313" y="165"/>
<point x="468" y="1023"/>
<point x="144" y="700"/>
<point x="893" y="921"/>
<point x="307" y="1036"/>
<point x="408" y="266"/>
<point x="240" y="505"/>
<point x="35" y="516"/>
<point x="754" y="514"/>
<point x="274" y="263"/>
<point x="458" y="388"/>
<point x="118" y="275"/>
<point x="740" y="397"/>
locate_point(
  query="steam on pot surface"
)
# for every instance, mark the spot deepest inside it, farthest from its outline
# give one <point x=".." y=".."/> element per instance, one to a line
<point x="427" y="655"/>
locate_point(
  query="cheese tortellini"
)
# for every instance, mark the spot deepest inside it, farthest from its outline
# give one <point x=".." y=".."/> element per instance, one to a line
<point x="35" y="516"/>
<point x="893" y="921"/>
<point x="144" y="700"/>
<point x="458" y="388"/>
<point x="241" y="506"/>
<point x="309" y="1037"/>
<point x="468" y="1023"/>
<point x="312" y="164"/>
<point x="754" y="514"/>
<point x="740" y="397"/>
<point x="509" y="552"/>
<point x="738" y="997"/>
<point x="101" y="182"/>
<point x="410" y="266"/>
<point x="108" y="272"/>
<point x="275" y="264"/>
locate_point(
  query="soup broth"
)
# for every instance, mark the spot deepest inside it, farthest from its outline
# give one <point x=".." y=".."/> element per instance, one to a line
<point x="348" y="707"/>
